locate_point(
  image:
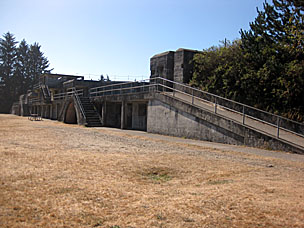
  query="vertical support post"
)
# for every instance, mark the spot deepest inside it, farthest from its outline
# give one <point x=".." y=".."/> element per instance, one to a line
<point x="122" y="121"/>
<point x="192" y="96"/>
<point x="56" y="112"/>
<point x="103" y="113"/>
<point x="278" y="126"/>
<point x="215" y="106"/>
<point x="173" y="90"/>
<point x="243" y="115"/>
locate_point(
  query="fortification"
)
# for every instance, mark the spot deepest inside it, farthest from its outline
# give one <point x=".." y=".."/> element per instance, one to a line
<point x="173" y="65"/>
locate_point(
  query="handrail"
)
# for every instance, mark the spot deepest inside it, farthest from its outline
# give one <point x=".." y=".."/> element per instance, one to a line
<point x="278" y="119"/>
<point x="229" y="100"/>
<point x="75" y="93"/>
<point x="60" y="96"/>
<point x="246" y="111"/>
<point x="119" y="87"/>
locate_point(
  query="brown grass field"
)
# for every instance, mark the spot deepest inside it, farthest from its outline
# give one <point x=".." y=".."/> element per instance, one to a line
<point x="58" y="175"/>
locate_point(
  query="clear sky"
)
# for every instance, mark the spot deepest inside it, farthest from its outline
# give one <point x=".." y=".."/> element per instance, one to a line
<point x="118" y="37"/>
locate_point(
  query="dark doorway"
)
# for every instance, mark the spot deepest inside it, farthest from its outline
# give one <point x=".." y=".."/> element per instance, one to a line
<point x="129" y="110"/>
<point x="113" y="114"/>
<point x="70" y="115"/>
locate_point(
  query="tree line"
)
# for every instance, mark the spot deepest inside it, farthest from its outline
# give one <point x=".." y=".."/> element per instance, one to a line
<point x="265" y="67"/>
<point x="20" y="67"/>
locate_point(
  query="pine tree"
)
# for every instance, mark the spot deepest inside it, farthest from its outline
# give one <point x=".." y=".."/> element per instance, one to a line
<point x="273" y="48"/>
<point x="8" y="54"/>
<point x="20" y="68"/>
<point x="21" y="79"/>
<point x="38" y="63"/>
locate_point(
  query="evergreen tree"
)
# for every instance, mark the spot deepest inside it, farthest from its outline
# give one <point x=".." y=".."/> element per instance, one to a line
<point x="219" y="70"/>
<point x="38" y="63"/>
<point x="265" y="68"/>
<point x="8" y="54"/>
<point x="273" y="48"/>
<point x="21" y="78"/>
<point x="20" y="68"/>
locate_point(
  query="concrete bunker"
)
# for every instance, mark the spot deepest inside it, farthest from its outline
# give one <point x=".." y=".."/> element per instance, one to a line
<point x="130" y="115"/>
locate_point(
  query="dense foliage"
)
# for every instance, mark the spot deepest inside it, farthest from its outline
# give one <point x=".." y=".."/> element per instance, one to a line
<point x="265" y="68"/>
<point x="20" y="67"/>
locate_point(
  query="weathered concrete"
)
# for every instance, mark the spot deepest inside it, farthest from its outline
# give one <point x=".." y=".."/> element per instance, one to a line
<point x="176" y="66"/>
<point x="162" y="65"/>
<point x="124" y="111"/>
<point x="170" y="116"/>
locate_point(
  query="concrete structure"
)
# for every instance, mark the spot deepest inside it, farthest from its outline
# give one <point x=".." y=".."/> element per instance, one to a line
<point x="160" y="106"/>
<point x="176" y="66"/>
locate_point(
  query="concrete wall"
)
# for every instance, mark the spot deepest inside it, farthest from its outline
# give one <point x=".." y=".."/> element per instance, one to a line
<point x="172" y="117"/>
<point x="165" y="119"/>
<point x="139" y="116"/>
<point x="162" y="65"/>
<point x="183" y="66"/>
<point x="176" y="66"/>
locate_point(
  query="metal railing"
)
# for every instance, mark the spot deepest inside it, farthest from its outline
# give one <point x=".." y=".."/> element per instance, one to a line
<point x="217" y="103"/>
<point x="76" y="95"/>
<point x="121" y="88"/>
<point x="61" y="96"/>
<point x="246" y="111"/>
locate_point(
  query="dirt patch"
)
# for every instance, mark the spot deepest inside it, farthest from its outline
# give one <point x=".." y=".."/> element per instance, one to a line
<point x="59" y="175"/>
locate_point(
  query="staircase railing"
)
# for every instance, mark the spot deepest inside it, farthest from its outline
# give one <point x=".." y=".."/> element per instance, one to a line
<point x="79" y="104"/>
<point x="46" y="92"/>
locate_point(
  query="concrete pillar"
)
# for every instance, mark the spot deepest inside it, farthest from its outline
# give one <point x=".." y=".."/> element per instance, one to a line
<point x="51" y="111"/>
<point x="123" y="112"/>
<point x="104" y="112"/>
<point x="56" y="117"/>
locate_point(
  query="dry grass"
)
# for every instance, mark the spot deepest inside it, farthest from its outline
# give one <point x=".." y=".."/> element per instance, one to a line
<point x="57" y="175"/>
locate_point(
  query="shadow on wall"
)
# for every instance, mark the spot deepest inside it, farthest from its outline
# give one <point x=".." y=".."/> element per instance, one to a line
<point x="70" y="115"/>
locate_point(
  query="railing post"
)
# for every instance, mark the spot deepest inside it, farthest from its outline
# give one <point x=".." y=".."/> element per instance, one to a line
<point x="215" y="106"/>
<point x="243" y="115"/>
<point x="278" y="127"/>
<point x="192" y="96"/>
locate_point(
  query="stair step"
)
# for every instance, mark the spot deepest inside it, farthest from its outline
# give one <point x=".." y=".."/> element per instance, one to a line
<point x="90" y="112"/>
<point x="93" y="119"/>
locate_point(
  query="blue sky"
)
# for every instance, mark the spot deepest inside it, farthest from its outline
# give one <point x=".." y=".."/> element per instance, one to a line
<point x="118" y="37"/>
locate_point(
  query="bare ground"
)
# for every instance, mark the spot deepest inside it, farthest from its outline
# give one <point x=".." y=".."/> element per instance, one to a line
<point x="58" y="175"/>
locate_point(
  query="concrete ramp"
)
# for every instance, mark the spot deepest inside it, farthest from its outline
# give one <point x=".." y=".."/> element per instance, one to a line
<point x="178" y="114"/>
